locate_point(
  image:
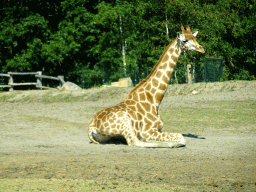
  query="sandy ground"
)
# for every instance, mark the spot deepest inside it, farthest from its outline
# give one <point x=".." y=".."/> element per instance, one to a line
<point x="49" y="140"/>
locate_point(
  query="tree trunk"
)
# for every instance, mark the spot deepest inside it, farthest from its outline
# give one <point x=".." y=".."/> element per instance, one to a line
<point x="122" y="40"/>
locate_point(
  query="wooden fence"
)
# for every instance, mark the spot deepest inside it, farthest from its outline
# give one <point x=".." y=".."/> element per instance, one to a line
<point x="38" y="82"/>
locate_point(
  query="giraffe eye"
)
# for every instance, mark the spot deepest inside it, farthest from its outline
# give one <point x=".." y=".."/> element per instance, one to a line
<point x="185" y="41"/>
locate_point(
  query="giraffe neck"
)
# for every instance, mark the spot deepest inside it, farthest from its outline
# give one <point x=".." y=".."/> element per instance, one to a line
<point x="152" y="89"/>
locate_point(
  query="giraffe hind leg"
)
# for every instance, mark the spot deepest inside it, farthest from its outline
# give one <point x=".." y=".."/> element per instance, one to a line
<point x="100" y="138"/>
<point x="94" y="134"/>
<point x="91" y="134"/>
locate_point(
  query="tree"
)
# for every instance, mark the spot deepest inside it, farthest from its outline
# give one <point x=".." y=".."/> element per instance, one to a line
<point x="83" y="36"/>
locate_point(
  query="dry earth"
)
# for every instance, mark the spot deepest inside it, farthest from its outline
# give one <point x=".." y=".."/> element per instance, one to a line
<point x="43" y="137"/>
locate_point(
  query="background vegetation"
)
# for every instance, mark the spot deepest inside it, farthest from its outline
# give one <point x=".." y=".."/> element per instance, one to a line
<point x="81" y="37"/>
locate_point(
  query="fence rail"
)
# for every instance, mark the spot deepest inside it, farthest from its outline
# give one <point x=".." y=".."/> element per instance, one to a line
<point x="210" y="70"/>
<point x="38" y="82"/>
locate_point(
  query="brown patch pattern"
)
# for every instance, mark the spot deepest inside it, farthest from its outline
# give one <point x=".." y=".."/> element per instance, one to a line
<point x="169" y="74"/>
<point x="140" y="109"/>
<point x="151" y="117"/>
<point x="159" y="97"/>
<point x="140" y="117"/>
<point x="166" y="58"/>
<point x="153" y="90"/>
<point x="175" y="59"/>
<point x="154" y="82"/>
<point x="130" y="102"/>
<point x="146" y="106"/>
<point x="149" y="97"/>
<point x="163" y="66"/>
<point x="142" y="97"/>
<point x="158" y="74"/>
<point x="171" y="65"/>
<point x="165" y="79"/>
<point x="148" y="87"/>
<point x="133" y="108"/>
<point x="162" y="86"/>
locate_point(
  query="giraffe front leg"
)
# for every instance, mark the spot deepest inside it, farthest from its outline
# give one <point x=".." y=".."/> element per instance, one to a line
<point x="129" y="134"/>
<point x="132" y="140"/>
<point x="175" y="139"/>
<point x="154" y="133"/>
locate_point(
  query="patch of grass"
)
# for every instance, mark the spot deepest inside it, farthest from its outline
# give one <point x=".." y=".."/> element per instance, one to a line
<point x="212" y="116"/>
<point x="6" y="96"/>
<point x="93" y="110"/>
<point x="109" y="93"/>
<point x="51" y="98"/>
<point x="226" y="87"/>
<point x="84" y="185"/>
<point x="53" y="121"/>
<point x="95" y="94"/>
<point x="185" y="89"/>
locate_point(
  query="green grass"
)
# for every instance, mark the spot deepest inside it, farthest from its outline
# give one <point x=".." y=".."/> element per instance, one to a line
<point x="211" y="116"/>
<point x="6" y="96"/>
<point x="53" y="121"/>
<point x="53" y="96"/>
<point x="48" y="98"/>
<point x="84" y="185"/>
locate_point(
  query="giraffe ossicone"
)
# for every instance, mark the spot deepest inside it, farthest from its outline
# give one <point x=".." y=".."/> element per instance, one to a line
<point x="136" y="118"/>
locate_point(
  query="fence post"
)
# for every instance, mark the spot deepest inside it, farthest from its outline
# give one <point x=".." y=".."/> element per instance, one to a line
<point x="61" y="78"/>
<point x="205" y="68"/>
<point x="39" y="81"/>
<point x="135" y="76"/>
<point x="103" y="75"/>
<point x="214" y="64"/>
<point x="121" y="71"/>
<point x="2" y="80"/>
<point x="189" y="74"/>
<point x="221" y="67"/>
<point x="83" y="77"/>
<point x="10" y="81"/>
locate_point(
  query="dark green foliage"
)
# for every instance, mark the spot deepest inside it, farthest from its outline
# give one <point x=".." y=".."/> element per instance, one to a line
<point x="81" y="37"/>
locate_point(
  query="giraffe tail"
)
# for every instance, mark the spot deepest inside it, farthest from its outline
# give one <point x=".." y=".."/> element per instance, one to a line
<point x="91" y="130"/>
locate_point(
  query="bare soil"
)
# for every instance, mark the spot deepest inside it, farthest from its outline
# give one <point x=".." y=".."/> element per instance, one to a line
<point x="41" y="139"/>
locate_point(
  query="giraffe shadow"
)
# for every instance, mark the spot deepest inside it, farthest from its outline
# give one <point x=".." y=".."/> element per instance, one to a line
<point x="115" y="141"/>
<point x="193" y="136"/>
<point x="122" y="141"/>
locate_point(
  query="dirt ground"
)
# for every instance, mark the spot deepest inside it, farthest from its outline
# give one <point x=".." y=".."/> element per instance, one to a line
<point x="48" y="140"/>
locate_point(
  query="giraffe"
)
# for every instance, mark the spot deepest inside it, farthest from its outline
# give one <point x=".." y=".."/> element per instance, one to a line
<point x="136" y="118"/>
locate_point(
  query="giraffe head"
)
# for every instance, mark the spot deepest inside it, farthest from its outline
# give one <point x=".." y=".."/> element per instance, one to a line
<point x="187" y="41"/>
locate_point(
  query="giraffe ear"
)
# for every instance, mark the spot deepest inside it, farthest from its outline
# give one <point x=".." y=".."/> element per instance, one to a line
<point x="195" y="33"/>
<point x="182" y="29"/>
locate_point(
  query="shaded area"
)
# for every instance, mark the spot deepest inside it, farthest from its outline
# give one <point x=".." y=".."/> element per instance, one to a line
<point x="193" y="136"/>
<point x="114" y="140"/>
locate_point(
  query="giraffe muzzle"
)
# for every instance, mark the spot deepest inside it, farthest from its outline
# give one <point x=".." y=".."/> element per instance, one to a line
<point x="200" y="49"/>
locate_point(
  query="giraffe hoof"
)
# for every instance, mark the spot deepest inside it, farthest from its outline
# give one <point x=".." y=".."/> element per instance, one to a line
<point x="176" y="145"/>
